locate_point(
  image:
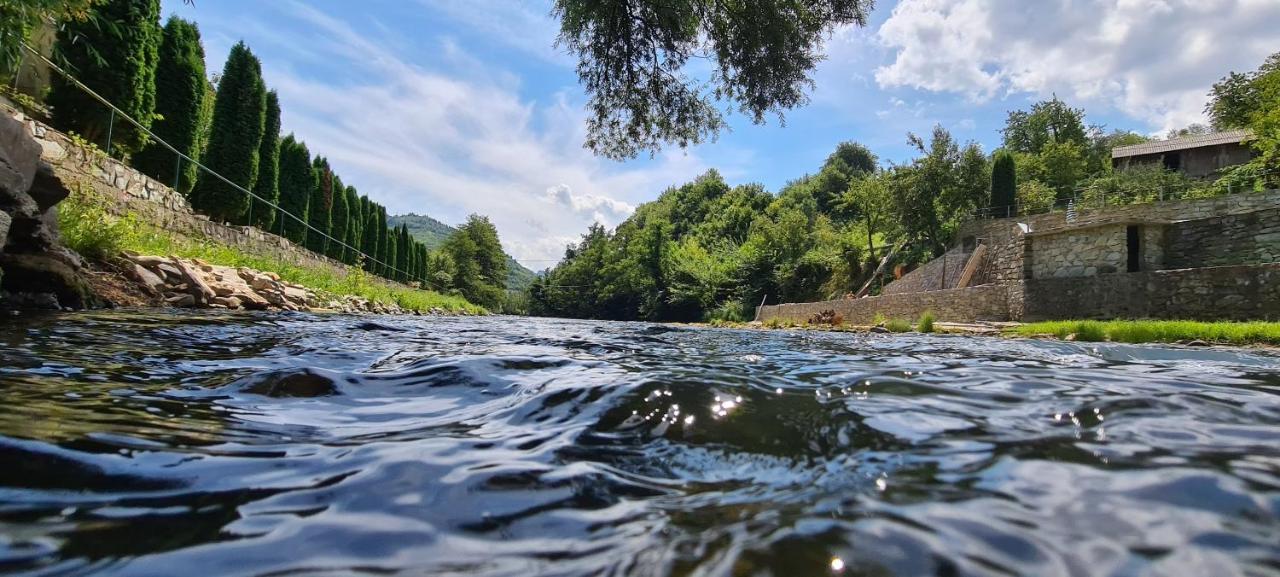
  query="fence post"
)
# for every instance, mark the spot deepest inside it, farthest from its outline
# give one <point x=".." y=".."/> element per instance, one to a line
<point x="111" y="124"/>
<point x="177" y="175"/>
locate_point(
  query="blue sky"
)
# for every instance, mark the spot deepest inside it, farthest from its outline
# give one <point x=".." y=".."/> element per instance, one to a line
<point x="452" y="107"/>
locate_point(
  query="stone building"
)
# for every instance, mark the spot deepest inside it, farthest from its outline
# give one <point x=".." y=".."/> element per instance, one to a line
<point x="1210" y="259"/>
<point x="1198" y="156"/>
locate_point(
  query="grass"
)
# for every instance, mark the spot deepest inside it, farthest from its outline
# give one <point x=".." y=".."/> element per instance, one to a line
<point x="926" y="322"/>
<point x="89" y="229"/>
<point x="1150" y="331"/>
<point x="898" y="326"/>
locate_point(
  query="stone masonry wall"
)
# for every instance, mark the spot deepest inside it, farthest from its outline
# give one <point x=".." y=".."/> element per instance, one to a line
<point x="945" y="269"/>
<point x="1252" y="238"/>
<point x="988" y="303"/>
<point x="1080" y="252"/>
<point x="156" y="203"/>
<point x="1241" y="292"/>
<point x="1168" y="211"/>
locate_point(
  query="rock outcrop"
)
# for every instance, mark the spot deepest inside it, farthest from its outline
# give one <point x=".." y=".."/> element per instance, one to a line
<point x="191" y="283"/>
<point x="36" y="271"/>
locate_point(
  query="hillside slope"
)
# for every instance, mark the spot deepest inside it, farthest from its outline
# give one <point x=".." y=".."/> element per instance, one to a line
<point x="433" y="233"/>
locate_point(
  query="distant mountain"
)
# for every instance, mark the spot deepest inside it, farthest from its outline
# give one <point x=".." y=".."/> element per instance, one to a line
<point x="433" y="233"/>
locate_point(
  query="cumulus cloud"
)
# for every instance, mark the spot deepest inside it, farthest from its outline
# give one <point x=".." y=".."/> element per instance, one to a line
<point x="603" y="209"/>
<point x="449" y="142"/>
<point x="1153" y="60"/>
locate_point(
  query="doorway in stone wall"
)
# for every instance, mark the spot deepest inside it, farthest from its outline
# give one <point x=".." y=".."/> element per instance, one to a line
<point x="1134" y="234"/>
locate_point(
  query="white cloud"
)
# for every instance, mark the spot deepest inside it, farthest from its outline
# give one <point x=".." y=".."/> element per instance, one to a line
<point x="1153" y="60"/>
<point x="450" y="144"/>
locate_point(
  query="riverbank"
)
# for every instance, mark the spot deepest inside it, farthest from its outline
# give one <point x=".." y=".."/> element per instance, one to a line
<point x="1193" y="333"/>
<point x="136" y="264"/>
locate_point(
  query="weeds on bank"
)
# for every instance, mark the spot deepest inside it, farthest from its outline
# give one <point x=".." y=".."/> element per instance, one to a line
<point x="926" y="322"/>
<point x="89" y="229"/>
<point x="1151" y="331"/>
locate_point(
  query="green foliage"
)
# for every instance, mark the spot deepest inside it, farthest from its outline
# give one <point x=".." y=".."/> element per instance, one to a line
<point x="433" y="234"/>
<point x="933" y="193"/>
<point x="1048" y="122"/>
<point x="1035" y="197"/>
<point x="319" y="201"/>
<point x="1237" y="99"/>
<point x="181" y="90"/>
<point x="88" y="228"/>
<point x="1004" y="180"/>
<point x="339" y="220"/>
<point x="267" y="186"/>
<point x="235" y="138"/>
<point x="296" y="181"/>
<point x="19" y="19"/>
<point x="898" y="325"/>
<point x="114" y="52"/>
<point x="926" y="322"/>
<point x="480" y="266"/>
<point x="1140" y="184"/>
<point x="1153" y="331"/>
<point x="633" y="57"/>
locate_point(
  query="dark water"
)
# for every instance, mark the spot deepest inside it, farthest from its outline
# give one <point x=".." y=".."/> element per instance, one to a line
<point x="199" y="444"/>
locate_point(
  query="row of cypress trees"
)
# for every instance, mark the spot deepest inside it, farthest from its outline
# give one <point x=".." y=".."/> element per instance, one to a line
<point x="158" y="76"/>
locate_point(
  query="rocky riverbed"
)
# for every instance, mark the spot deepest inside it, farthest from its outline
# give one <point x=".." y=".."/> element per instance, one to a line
<point x="192" y="283"/>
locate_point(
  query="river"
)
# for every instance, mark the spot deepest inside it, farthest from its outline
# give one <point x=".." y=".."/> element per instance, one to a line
<point x="199" y="443"/>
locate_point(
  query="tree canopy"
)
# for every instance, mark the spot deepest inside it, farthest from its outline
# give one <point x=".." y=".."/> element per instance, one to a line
<point x="180" y="99"/>
<point x="633" y="56"/>
<point x="115" y="51"/>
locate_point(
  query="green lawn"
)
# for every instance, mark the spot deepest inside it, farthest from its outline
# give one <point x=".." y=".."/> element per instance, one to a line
<point x="1148" y="331"/>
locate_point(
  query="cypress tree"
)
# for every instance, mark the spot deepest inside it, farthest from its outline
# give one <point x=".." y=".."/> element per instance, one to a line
<point x="181" y="90"/>
<point x="235" y="136"/>
<point x="114" y="52"/>
<point x="297" y="180"/>
<point x="341" y="220"/>
<point x="370" y="244"/>
<point x="319" y="216"/>
<point x="405" y="256"/>
<point x="1004" y="183"/>
<point x="268" y="185"/>
<point x="392" y="263"/>
<point x="422" y="266"/>
<point x="385" y="248"/>
<point x="355" y="225"/>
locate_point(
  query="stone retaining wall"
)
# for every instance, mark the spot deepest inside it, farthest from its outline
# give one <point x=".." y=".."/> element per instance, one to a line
<point x="156" y="203"/>
<point x="985" y="303"/>
<point x="937" y="274"/>
<point x="1168" y="211"/>
<point x="1252" y="238"/>
<point x="1241" y="292"/>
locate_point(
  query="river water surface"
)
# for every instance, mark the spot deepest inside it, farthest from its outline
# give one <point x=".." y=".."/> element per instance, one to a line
<point x="204" y="444"/>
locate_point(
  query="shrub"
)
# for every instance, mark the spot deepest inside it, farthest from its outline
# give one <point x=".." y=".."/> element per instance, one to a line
<point x="88" y="228"/>
<point x="926" y="322"/>
<point x="898" y="326"/>
<point x="1035" y="197"/>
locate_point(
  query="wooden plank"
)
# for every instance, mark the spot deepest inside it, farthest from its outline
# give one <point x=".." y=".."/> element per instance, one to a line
<point x="971" y="267"/>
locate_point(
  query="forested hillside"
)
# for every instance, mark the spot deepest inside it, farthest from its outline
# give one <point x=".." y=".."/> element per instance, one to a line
<point x="709" y="249"/>
<point x="434" y="233"/>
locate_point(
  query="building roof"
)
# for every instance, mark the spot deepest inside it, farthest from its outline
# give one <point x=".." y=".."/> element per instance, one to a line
<point x="1183" y="143"/>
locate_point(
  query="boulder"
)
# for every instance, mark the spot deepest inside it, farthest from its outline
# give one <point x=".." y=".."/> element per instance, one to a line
<point x="19" y="157"/>
<point x="252" y="301"/>
<point x="37" y="273"/>
<point x="229" y="302"/>
<point x="146" y="278"/>
<point x="262" y="283"/>
<point x="184" y="300"/>
<point x="47" y="189"/>
<point x="195" y="280"/>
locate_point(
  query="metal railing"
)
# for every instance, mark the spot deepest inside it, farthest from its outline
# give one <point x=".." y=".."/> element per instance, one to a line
<point x="1097" y="197"/>
<point x="115" y="113"/>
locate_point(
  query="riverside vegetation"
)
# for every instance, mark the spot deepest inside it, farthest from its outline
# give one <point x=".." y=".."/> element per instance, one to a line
<point x="90" y="229"/>
<point x="157" y="76"/>
<point x="709" y="250"/>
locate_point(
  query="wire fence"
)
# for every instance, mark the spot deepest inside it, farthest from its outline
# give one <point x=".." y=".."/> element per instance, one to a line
<point x="115" y="113"/>
<point x="1099" y="196"/>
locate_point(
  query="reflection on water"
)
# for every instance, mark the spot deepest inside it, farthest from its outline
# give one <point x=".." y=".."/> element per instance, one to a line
<point x="155" y="443"/>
